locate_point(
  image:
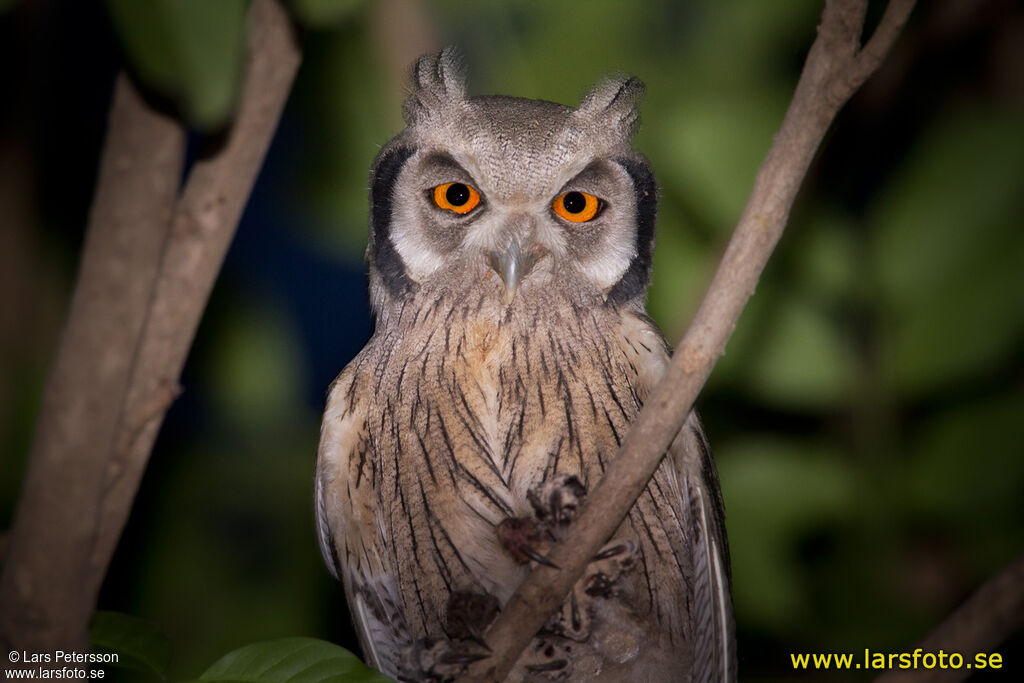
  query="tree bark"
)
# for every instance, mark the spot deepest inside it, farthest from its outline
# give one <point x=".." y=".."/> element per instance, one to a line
<point x="146" y="273"/>
<point x="204" y="223"/>
<point x="835" y="68"/>
<point x="42" y="601"/>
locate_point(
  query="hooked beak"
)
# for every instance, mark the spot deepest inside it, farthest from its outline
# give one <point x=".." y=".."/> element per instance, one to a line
<point x="513" y="264"/>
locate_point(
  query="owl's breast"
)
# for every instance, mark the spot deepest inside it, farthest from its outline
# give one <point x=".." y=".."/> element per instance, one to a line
<point x="484" y="343"/>
<point x="529" y="391"/>
<point x="477" y="404"/>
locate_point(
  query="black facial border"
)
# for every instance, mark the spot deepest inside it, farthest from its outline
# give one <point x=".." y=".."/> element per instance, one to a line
<point x="634" y="281"/>
<point x="383" y="255"/>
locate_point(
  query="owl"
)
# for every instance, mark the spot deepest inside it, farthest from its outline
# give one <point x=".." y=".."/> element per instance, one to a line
<point x="509" y="255"/>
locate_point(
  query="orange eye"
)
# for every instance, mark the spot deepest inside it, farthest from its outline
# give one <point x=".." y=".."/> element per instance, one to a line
<point x="457" y="197"/>
<point x="577" y="207"/>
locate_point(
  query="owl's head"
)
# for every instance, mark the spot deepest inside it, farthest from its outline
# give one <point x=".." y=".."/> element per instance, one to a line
<point x="531" y="191"/>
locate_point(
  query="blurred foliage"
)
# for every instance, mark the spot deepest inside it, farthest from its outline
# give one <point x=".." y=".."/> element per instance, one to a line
<point x="866" y="417"/>
<point x="188" y="50"/>
<point x="139" y="644"/>
<point x="947" y="252"/>
<point x="323" y="14"/>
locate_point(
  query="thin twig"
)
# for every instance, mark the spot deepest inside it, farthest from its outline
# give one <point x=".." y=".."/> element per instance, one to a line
<point x="985" y="620"/>
<point x="834" y="70"/>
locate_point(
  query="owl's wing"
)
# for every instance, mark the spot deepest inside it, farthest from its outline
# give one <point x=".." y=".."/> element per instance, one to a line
<point x="332" y="460"/>
<point x="711" y="616"/>
<point x="703" y="510"/>
<point x="348" y="524"/>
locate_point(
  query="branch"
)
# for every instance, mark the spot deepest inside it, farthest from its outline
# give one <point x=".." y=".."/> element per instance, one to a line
<point x="204" y="223"/>
<point x="147" y="271"/>
<point x="41" y="603"/>
<point x="834" y="70"/>
<point x="401" y="31"/>
<point x="984" y="621"/>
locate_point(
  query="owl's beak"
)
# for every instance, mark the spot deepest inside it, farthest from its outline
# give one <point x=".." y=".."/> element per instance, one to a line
<point x="512" y="264"/>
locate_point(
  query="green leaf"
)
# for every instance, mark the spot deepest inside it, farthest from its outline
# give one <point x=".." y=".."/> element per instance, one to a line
<point x="139" y="644"/>
<point x="292" y="660"/>
<point x="6" y="5"/>
<point x="188" y="50"/>
<point x="324" y="13"/>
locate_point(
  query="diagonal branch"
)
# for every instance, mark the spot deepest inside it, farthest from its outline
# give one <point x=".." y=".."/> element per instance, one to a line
<point x="148" y="267"/>
<point x="985" y="620"/>
<point x="836" y="67"/>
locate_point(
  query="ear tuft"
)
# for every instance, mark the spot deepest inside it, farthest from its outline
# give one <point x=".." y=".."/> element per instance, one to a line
<point x="437" y="82"/>
<point x="614" y="103"/>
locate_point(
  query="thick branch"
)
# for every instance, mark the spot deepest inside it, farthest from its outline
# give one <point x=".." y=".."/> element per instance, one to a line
<point x="834" y="70"/>
<point x="984" y="621"/>
<point x="147" y="271"/>
<point x="42" y="605"/>
<point x="401" y="30"/>
<point x="204" y="223"/>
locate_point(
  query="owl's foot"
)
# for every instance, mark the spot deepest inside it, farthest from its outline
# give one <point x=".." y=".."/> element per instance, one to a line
<point x="433" y="660"/>
<point x="572" y="620"/>
<point x="604" y="571"/>
<point x="469" y="614"/>
<point x="599" y="581"/>
<point x="557" y="501"/>
<point x="523" y="539"/>
<point x="547" y="658"/>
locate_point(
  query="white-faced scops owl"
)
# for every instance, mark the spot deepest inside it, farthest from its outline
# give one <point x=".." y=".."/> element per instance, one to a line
<point x="509" y="256"/>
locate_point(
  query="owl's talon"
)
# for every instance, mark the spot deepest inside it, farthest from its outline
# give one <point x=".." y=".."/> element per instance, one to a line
<point x="439" y="661"/>
<point x="607" y="567"/>
<point x="616" y="550"/>
<point x="572" y="620"/>
<point x="520" y="536"/>
<point x="538" y="558"/>
<point x="577" y="618"/>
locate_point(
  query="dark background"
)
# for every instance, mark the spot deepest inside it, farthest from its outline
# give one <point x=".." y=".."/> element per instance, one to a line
<point x="868" y="417"/>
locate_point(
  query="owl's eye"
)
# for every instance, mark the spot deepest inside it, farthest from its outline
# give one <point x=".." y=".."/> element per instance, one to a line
<point x="457" y="197"/>
<point x="577" y="207"/>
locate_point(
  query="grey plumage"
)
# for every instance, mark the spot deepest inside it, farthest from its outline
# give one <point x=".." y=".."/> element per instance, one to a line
<point x="510" y="356"/>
